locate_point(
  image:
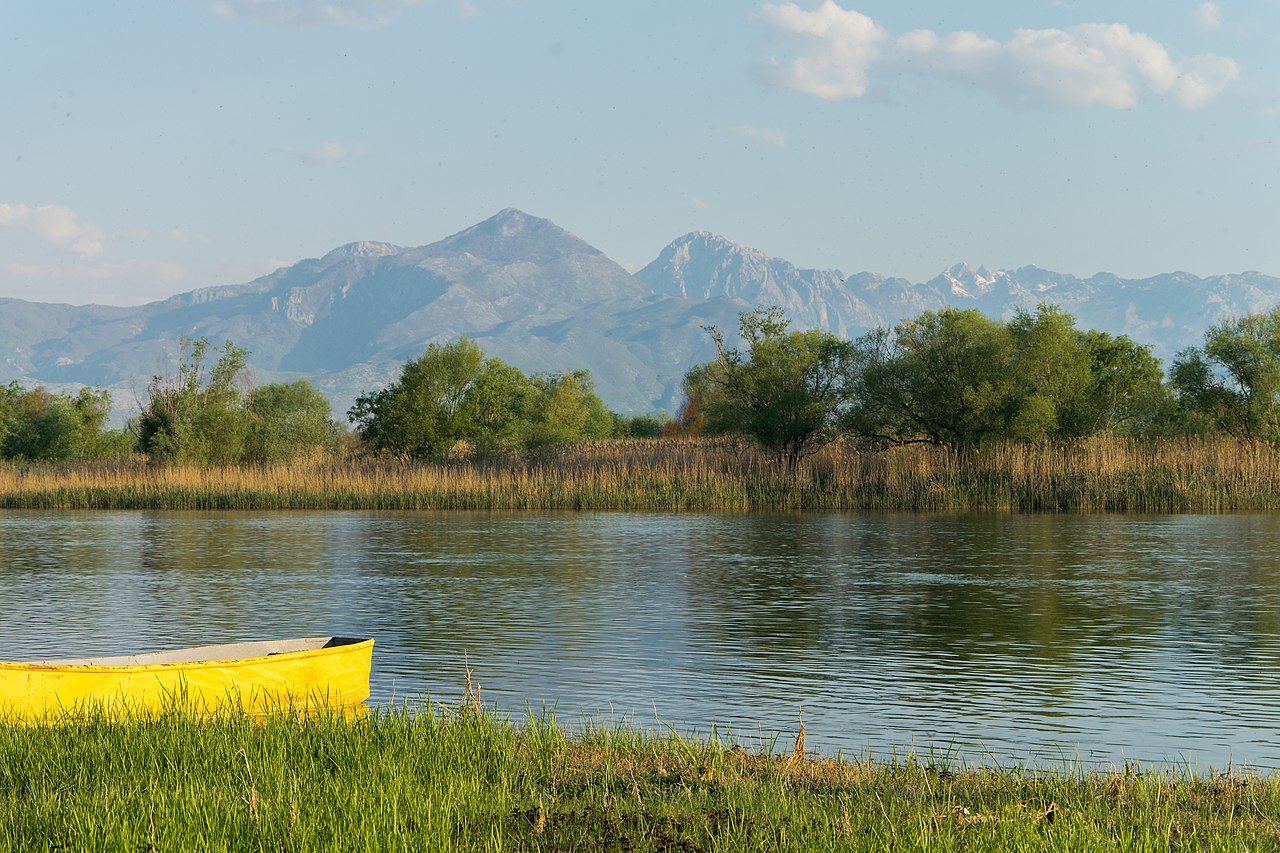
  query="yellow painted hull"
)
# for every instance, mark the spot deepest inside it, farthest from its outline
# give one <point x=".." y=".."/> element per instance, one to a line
<point x="257" y="678"/>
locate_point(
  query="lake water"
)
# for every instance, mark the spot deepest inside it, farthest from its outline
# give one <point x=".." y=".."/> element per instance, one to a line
<point x="1018" y="637"/>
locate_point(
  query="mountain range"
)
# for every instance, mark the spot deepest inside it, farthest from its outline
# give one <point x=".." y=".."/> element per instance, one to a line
<point x="543" y="299"/>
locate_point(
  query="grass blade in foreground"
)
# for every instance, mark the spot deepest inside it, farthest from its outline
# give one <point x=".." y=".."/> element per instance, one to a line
<point x="464" y="781"/>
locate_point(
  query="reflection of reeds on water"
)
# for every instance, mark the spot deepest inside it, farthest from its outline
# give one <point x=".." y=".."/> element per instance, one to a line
<point x="673" y="474"/>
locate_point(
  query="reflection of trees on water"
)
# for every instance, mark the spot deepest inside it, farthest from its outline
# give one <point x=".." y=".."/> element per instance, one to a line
<point x="935" y="596"/>
<point x="239" y="572"/>
<point x="1223" y="593"/>
<point x="117" y="582"/>
<point x="982" y="590"/>
<point x="505" y="587"/>
<point x="762" y="581"/>
<point x="58" y="581"/>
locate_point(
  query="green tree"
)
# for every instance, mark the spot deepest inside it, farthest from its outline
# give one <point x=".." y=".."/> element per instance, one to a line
<point x="1073" y="383"/>
<point x="287" y="421"/>
<point x="453" y="393"/>
<point x="599" y="423"/>
<point x="198" y="414"/>
<point x="1125" y="392"/>
<point x="1052" y="366"/>
<point x="40" y="425"/>
<point x="418" y="416"/>
<point x="959" y="378"/>
<point x="498" y="411"/>
<point x="568" y="410"/>
<point x="788" y="391"/>
<point x="1233" y="381"/>
<point x="700" y="383"/>
<point x="946" y="377"/>
<point x="640" y="426"/>
<point x="9" y="397"/>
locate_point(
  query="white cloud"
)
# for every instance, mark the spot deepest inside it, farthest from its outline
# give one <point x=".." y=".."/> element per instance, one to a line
<point x="292" y="13"/>
<point x="55" y="226"/>
<point x="1202" y="78"/>
<point x="328" y="152"/>
<point x="832" y="49"/>
<point x="762" y="137"/>
<point x="835" y="52"/>
<point x="331" y="152"/>
<point x="1209" y="15"/>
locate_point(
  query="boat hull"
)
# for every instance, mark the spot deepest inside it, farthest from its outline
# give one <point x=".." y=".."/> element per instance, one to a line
<point x="257" y="678"/>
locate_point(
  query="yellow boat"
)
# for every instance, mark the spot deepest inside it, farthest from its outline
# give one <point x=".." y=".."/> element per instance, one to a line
<point x="256" y="677"/>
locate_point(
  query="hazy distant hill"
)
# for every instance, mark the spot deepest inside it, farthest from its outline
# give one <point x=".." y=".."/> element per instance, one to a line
<point x="543" y="299"/>
<point x="1169" y="311"/>
<point x="702" y="265"/>
<point x="528" y="291"/>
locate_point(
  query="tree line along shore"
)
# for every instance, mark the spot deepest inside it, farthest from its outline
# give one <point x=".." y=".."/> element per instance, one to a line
<point x="948" y="410"/>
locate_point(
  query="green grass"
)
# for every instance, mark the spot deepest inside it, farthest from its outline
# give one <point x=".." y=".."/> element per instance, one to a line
<point x="447" y="780"/>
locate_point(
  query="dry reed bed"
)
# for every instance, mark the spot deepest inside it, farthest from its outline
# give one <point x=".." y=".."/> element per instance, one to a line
<point x="1104" y="474"/>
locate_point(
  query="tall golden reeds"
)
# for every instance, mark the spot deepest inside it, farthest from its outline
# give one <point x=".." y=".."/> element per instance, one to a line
<point x="1101" y="474"/>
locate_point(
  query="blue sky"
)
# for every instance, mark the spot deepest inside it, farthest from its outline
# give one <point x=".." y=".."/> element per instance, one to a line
<point x="154" y="147"/>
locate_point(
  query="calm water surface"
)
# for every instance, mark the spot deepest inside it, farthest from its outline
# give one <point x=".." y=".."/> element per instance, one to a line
<point x="1031" y="638"/>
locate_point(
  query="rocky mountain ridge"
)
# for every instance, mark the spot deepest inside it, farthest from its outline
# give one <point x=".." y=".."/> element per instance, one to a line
<point x="542" y="298"/>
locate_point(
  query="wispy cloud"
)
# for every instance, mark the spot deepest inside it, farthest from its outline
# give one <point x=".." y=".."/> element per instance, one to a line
<point x="833" y="53"/>
<point x="100" y="282"/>
<point x="55" y="226"/>
<point x="762" y="137"/>
<point x="1209" y="15"/>
<point x="328" y="152"/>
<point x="331" y="152"/>
<point x="46" y="250"/>
<point x="293" y="13"/>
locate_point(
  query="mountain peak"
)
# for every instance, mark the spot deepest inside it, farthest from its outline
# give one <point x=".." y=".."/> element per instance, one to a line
<point x="964" y="280"/>
<point x="361" y="249"/>
<point x="512" y="217"/>
<point x="704" y="265"/>
<point x="512" y="236"/>
<point x="511" y="221"/>
<point x="705" y="236"/>
<point x="702" y="242"/>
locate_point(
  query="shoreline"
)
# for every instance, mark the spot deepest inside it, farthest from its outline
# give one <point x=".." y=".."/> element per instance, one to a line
<point x="459" y="778"/>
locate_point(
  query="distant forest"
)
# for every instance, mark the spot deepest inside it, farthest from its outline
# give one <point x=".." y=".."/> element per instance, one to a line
<point x="953" y="378"/>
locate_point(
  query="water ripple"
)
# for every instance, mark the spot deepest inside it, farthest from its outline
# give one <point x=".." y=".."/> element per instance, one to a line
<point x="1044" y="638"/>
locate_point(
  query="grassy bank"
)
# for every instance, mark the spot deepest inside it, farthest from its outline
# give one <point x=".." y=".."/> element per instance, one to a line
<point x="440" y="781"/>
<point x="674" y="475"/>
